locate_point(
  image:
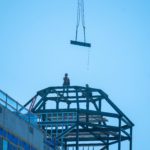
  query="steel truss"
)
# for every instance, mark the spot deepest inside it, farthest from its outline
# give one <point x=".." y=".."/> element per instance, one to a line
<point x="75" y="116"/>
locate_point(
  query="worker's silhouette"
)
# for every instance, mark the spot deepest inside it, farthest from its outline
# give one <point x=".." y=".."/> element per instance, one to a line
<point x="66" y="80"/>
<point x="87" y="92"/>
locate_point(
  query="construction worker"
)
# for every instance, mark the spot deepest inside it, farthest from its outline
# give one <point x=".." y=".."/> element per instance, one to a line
<point x="87" y="92"/>
<point x="66" y="80"/>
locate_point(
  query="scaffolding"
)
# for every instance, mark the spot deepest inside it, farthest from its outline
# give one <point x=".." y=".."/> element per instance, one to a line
<point x="80" y="117"/>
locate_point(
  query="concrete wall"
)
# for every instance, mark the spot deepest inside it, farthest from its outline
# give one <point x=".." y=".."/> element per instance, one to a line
<point x="18" y="127"/>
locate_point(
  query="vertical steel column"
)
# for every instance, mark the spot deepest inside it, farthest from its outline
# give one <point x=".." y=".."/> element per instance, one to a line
<point x="57" y="105"/>
<point x="119" y="140"/>
<point x="68" y="105"/>
<point x="77" y="127"/>
<point x="62" y="130"/>
<point x="65" y="146"/>
<point x="100" y="108"/>
<point x="57" y="125"/>
<point x="67" y="91"/>
<point x="100" y="105"/>
<point x="107" y="143"/>
<point x="51" y="115"/>
<point x="77" y="136"/>
<point x="87" y="106"/>
<point x="131" y="138"/>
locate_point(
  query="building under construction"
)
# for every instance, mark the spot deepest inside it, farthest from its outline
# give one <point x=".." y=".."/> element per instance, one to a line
<point x="76" y="117"/>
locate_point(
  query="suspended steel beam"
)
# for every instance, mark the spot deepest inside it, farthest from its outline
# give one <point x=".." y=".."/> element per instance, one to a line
<point x="80" y="43"/>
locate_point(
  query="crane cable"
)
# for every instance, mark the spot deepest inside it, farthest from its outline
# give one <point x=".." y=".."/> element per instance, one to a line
<point x="81" y="16"/>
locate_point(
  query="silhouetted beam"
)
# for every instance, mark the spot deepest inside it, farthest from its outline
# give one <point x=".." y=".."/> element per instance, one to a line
<point x="84" y="144"/>
<point x="116" y="141"/>
<point x="94" y="144"/>
<point x="89" y="112"/>
<point x="98" y="130"/>
<point x="56" y="122"/>
<point x="69" y="139"/>
<point x="80" y="43"/>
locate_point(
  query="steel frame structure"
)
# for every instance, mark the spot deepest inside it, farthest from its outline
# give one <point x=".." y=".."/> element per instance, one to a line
<point x="75" y="116"/>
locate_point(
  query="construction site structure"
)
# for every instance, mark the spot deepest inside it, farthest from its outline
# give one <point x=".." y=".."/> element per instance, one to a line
<point x="79" y="117"/>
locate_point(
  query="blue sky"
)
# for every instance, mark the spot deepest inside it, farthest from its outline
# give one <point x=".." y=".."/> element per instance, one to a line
<point x="35" y="52"/>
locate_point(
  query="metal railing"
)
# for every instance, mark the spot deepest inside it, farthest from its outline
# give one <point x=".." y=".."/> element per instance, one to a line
<point x="17" y="108"/>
